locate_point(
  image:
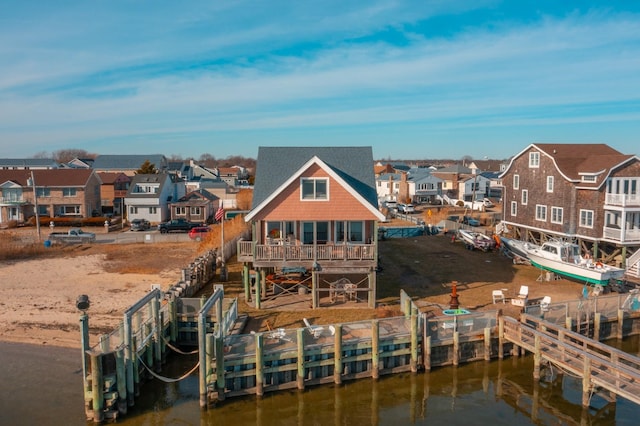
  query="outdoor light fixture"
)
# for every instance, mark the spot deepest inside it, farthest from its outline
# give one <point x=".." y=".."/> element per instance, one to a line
<point x="82" y="302"/>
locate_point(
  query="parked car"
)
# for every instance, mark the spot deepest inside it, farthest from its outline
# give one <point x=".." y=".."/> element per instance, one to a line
<point x="72" y="236"/>
<point x="391" y="205"/>
<point x="487" y="202"/>
<point x="454" y="218"/>
<point x="199" y="232"/>
<point x="468" y="220"/>
<point x="140" y="225"/>
<point x="406" y="208"/>
<point x="177" y="225"/>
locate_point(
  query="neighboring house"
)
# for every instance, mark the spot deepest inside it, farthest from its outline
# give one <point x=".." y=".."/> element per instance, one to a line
<point x="495" y="184"/>
<point x="472" y="187"/>
<point x="315" y="208"/>
<point x="60" y="192"/>
<point x="450" y="178"/>
<point x="427" y="187"/>
<point x="150" y="195"/>
<point x="113" y="191"/>
<point x="128" y="164"/>
<point x="479" y="166"/>
<point x="28" y="164"/>
<point x="80" y="163"/>
<point x="226" y="194"/>
<point x="588" y="192"/>
<point x="196" y="206"/>
<point x="229" y="175"/>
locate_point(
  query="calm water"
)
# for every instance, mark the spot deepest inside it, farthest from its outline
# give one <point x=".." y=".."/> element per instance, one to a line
<point x="43" y="385"/>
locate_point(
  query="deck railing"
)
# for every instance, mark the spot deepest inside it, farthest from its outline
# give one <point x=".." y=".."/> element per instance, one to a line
<point x="622" y="235"/>
<point x="305" y="252"/>
<point x="624" y="200"/>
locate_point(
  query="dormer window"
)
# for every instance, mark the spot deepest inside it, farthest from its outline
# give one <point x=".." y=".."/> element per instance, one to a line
<point x="589" y="178"/>
<point x="314" y="189"/>
<point x="534" y="159"/>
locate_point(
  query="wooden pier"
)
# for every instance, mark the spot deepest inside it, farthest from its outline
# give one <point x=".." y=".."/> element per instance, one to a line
<point x="600" y="366"/>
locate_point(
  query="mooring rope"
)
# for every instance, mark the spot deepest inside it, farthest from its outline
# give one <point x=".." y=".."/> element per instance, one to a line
<point x="181" y="352"/>
<point x="168" y="379"/>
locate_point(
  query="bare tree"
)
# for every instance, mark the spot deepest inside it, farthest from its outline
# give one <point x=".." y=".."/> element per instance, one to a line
<point x="66" y="155"/>
<point x="207" y="160"/>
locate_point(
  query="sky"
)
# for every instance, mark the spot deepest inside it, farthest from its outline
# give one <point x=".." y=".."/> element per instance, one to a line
<point x="421" y="79"/>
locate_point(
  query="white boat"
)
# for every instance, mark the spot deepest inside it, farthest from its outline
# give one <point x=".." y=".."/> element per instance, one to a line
<point x="563" y="258"/>
<point x="517" y="247"/>
<point x="476" y="240"/>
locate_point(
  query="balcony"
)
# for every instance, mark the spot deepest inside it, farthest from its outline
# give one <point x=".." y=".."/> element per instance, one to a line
<point x="621" y="235"/>
<point x="276" y="254"/>
<point x="12" y="201"/>
<point x="622" y="200"/>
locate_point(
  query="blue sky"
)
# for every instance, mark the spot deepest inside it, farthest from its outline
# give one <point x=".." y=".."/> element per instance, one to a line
<point x="420" y="79"/>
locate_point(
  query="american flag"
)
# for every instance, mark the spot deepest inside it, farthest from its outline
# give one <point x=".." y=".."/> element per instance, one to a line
<point x="219" y="214"/>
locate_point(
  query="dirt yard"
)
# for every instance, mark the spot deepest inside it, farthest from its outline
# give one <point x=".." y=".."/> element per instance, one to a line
<point x="38" y="295"/>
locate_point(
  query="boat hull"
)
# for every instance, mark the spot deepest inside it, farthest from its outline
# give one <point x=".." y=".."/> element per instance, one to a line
<point x="591" y="274"/>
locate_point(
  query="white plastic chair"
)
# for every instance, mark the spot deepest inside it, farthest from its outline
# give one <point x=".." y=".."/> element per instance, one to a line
<point x="522" y="297"/>
<point x="497" y="295"/>
<point x="544" y="304"/>
<point x="315" y="330"/>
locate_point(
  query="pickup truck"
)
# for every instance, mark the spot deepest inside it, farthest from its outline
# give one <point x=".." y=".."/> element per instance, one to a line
<point x="73" y="235"/>
<point x="177" y="225"/>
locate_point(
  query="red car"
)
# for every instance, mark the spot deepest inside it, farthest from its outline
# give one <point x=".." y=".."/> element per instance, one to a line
<point x="198" y="233"/>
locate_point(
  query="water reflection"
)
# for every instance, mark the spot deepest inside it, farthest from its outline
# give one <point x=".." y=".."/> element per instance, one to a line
<point x="498" y="392"/>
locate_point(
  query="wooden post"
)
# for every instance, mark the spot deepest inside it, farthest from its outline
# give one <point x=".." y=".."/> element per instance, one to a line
<point x="487" y="344"/>
<point x="155" y="309"/>
<point x="597" y="319"/>
<point x="568" y="323"/>
<point x="263" y="283"/>
<point x="375" y="349"/>
<point x="371" y="296"/>
<point x="173" y="319"/>
<point x="121" y="381"/>
<point x="218" y="344"/>
<point x="97" y="388"/>
<point x="246" y="281"/>
<point x="414" y="343"/>
<point x="257" y="288"/>
<point x="500" y="336"/>
<point x="259" y="365"/>
<point x="300" y="375"/>
<point x="149" y="346"/>
<point x="128" y="344"/>
<point x="586" y="382"/>
<point x="427" y="353"/>
<point x="314" y="290"/>
<point x="537" y="357"/>
<point x="620" y="324"/>
<point x="456" y="347"/>
<point x="84" y="344"/>
<point x="337" y="355"/>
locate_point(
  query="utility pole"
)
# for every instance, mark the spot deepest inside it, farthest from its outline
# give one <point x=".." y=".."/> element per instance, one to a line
<point x="35" y="204"/>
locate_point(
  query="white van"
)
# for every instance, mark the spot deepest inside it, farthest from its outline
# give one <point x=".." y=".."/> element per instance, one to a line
<point x="406" y="208"/>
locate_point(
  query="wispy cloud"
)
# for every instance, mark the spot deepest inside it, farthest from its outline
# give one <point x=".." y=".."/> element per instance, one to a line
<point x="170" y="74"/>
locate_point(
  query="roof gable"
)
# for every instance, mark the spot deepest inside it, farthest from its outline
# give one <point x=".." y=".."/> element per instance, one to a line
<point x="49" y="177"/>
<point x="278" y="167"/>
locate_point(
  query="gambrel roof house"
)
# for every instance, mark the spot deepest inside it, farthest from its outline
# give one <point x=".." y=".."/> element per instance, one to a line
<point x="127" y="163"/>
<point x="316" y="208"/>
<point x="586" y="191"/>
<point x="60" y="192"/>
<point x="196" y="206"/>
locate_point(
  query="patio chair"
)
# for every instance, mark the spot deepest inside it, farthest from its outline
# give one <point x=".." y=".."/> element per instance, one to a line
<point x="315" y="330"/>
<point x="497" y="295"/>
<point x="522" y="298"/>
<point x="544" y="304"/>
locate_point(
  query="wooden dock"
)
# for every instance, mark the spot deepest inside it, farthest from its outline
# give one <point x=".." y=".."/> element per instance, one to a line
<point x="600" y="366"/>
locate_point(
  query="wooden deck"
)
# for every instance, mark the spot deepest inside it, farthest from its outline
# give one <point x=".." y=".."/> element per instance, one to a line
<point x="599" y="365"/>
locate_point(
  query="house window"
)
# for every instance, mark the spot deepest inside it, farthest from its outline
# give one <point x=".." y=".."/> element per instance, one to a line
<point x="70" y="210"/>
<point x="195" y="211"/>
<point x="589" y="178"/>
<point x="314" y="189"/>
<point x="68" y="192"/>
<point x="321" y="232"/>
<point x="556" y="215"/>
<point x="274" y="230"/>
<point x="525" y="197"/>
<point x="541" y="212"/>
<point x="586" y="218"/>
<point x="549" y="183"/>
<point x="354" y="231"/>
<point x="133" y="210"/>
<point x="514" y="208"/>
<point x="43" y="192"/>
<point x="181" y="211"/>
<point x="534" y="159"/>
<point x="153" y="210"/>
<point x="516" y="181"/>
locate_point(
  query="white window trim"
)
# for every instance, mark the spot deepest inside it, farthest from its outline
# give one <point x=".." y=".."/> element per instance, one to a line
<point x="314" y="179"/>
<point x="550" y="182"/>
<point x="557" y="209"/>
<point x="534" y="160"/>
<point x="524" y="199"/>
<point x="516" y="181"/>
<point x="583" y="225"/>
<point x="514" y="208"/>
<point x="541" y="208"/>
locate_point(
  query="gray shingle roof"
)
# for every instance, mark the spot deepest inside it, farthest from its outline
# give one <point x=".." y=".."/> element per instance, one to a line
<point x="128" y="162"/>
<point x="277" y="164"/>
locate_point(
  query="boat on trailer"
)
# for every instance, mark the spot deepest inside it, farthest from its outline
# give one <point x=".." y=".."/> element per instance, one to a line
<point x="563" y="258"/>
<point x="476" y="240"/>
